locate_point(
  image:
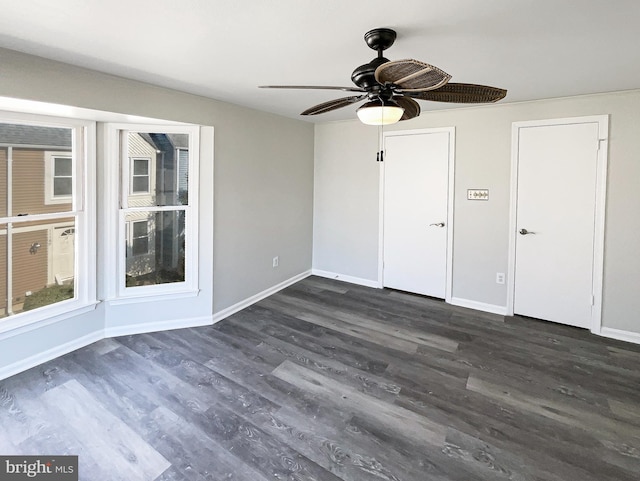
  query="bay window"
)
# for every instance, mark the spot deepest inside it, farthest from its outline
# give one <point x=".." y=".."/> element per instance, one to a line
<point x="49" y="234"/>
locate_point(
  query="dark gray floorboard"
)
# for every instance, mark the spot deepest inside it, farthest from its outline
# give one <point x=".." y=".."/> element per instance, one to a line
<point x="330" y="381"/>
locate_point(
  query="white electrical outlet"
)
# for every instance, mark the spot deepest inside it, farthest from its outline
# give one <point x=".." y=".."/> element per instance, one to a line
<point x="500" y="278"/>
<point x="276" y="261"/>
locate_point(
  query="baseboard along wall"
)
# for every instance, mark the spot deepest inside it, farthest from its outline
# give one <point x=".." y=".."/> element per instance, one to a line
<point x="344" y="278"/>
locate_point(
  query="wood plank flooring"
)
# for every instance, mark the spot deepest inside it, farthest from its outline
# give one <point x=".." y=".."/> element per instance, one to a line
<point x="332" y="381"/>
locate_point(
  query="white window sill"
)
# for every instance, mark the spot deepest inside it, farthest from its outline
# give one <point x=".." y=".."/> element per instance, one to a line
<point x="152" y="297"/>
<point x="19" y="324"/>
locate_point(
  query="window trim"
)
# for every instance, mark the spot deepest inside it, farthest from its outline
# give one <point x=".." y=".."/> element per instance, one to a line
<point x="49" y="177"/>
<point x="84" y="211"/>
<point x="116" y="199"/>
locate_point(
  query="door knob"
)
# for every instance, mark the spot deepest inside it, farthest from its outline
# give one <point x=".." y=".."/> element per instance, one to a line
<point x="525" y="232"/>
<point x="439" y="224"/>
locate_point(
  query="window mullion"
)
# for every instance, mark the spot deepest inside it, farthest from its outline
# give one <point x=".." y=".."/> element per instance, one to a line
<point x="125" y="187"/>
<point x="9" y="181"/>
<point x="157" y="208"/>
<point x="9" y="260"/>
<point x="9" y="272"/>
<point x="39" y="217"/>
<point x="78" y="142"/>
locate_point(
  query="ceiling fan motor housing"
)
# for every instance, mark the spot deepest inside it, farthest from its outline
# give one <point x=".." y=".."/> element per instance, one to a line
<point x="364" y="75"/>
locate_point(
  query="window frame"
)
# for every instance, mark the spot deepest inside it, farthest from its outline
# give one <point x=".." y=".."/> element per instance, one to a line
<point x="117" y="168"/>
<point x="83" y="211"/>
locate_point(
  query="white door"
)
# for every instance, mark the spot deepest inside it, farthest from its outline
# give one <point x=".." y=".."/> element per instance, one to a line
<point x="556" y="211"/>
<point x="415" y="222"/>
<point x="62" y="254"/>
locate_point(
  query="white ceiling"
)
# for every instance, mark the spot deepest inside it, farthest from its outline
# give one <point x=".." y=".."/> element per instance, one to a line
<point x="225" y="49"/>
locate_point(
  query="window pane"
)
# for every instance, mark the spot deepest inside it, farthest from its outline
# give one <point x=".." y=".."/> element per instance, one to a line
<point x="43" y="259"/>
<point x="62" y="186"/>
<point x="140" y="184"/>
<point x="140" y="167"/>
<point x="158" y="257"/>
<point x="63" y="167"/>
<point x="140" y="229"/>
<point x="167" y="171"/>
<point x="140" y="246"/>
<point x="33" y="168"/>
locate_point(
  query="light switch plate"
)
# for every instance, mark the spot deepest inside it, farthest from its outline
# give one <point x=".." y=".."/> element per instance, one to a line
<point x="477" y="194"/>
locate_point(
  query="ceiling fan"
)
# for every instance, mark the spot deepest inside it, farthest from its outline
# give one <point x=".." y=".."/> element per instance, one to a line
<point x="391" y="87"/>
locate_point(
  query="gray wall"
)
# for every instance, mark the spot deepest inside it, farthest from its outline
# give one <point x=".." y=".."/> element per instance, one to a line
<point x="347" y="188"/>
<point x="263" y="166"/>
<point x="263" y="183"/>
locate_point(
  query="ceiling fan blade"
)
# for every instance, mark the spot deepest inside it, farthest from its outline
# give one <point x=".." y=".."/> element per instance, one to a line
<point x="410" y="106"/>
<point x="333" y="105"/>
<point x="312" y="87"/>
<point x="462" y="94"/>
<point x="411" y="75"/>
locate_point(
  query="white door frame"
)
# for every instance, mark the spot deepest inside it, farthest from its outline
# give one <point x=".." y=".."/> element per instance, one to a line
<point x="450" y="195"/>
<point x="600" y="201"/>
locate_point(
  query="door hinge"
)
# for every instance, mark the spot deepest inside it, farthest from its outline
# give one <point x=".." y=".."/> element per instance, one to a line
<point x="600" y="142"/>
<point x="593" y="300"/>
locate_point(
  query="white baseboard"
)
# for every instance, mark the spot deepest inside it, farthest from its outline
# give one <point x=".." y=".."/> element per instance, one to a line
<point x="115" y="331"/>
<point x="49" y="354"/>
<point x="344" y="278"/>
<point x="479" y="306"/>
<point x="145" y="327"/>
<point x="621" y="335"/>
<point x="224" y="313"/>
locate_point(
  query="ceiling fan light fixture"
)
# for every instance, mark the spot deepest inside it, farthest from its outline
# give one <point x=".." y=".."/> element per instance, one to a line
<point x="380" y="112"/>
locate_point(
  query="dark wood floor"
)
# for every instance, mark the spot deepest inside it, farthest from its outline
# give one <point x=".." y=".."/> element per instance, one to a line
<point x="330" y="381"/>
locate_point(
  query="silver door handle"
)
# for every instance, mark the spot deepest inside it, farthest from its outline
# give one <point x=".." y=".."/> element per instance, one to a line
<point x="439" y="224"/>
<point x="525" y="232"/>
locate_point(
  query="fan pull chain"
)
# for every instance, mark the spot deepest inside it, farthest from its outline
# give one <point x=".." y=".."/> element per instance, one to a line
<point x="380" y="153"/>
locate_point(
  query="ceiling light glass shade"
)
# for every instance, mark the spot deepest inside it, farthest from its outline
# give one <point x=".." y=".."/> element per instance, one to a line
<point x="380" y="112"/>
